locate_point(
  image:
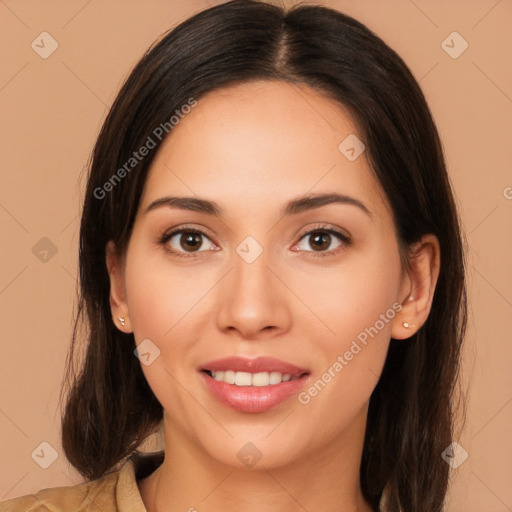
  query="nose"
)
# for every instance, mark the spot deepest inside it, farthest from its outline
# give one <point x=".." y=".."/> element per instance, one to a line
<point x="253" y="301"/>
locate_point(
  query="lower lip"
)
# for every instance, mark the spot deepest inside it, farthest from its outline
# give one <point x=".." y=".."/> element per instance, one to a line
<point x="253" y="398"/>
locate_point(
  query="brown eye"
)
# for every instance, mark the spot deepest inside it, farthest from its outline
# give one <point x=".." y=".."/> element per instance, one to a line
<point x="320" y="241"/>
<point x="190" y="241"/>
<point x="183" y="241"/>
<point x="323" y="241"/>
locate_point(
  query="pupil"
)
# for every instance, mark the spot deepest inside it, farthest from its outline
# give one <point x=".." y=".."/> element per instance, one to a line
<point x="321" y="237"/>
<point x="192" y="239"/>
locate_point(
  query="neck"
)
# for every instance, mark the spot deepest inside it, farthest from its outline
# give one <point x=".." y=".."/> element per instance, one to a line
<point x="190" y="480"/>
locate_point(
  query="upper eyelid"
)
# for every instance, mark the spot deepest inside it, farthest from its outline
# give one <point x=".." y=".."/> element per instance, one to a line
<point x="327" y="228"/>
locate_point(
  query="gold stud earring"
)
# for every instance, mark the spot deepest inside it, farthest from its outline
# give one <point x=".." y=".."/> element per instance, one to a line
<point x="121" y="320"/>
<point x="408" y="325"/>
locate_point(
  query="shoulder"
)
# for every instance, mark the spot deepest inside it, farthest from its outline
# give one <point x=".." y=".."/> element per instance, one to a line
<point x="115" y="492"/>
<point x="92" y="496"/>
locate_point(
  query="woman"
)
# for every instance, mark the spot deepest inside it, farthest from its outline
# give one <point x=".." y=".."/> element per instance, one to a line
<point x="271" y="264"/>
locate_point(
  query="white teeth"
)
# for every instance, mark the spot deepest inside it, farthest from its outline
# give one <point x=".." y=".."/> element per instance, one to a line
<point x="243" y="379"/>
<point x="251" y="379"/>
<point x="262" y="379"/>
<point x="229" y="376"/>
<point x="275" y="377"/>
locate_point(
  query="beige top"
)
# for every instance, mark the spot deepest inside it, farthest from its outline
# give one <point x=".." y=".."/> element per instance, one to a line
<point x="115" y="492"/>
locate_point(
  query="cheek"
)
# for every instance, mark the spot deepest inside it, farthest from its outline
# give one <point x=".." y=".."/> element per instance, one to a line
<point x="161" y="296"/>
<point x="163" y="308"/>
<point x="351" y="297"/>
<point x="357" y="303"/>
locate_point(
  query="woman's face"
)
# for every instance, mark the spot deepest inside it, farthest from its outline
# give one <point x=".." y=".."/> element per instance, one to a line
<point x="266" y="280"/>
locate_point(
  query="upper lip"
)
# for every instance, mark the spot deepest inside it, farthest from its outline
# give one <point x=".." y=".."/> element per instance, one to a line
<point x="259" y="364"/>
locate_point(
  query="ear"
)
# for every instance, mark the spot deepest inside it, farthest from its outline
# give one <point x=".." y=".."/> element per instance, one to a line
<point x="118" y="305"/>
<point x="417" y="287"/>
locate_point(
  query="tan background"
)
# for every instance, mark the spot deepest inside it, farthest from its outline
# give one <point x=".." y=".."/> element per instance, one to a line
<point x="51" y="111"/>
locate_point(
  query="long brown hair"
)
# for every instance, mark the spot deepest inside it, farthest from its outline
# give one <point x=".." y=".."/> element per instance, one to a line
<point x="110" y="407"/>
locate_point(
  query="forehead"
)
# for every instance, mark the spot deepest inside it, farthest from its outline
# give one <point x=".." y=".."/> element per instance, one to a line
<point x="258" y="143"/>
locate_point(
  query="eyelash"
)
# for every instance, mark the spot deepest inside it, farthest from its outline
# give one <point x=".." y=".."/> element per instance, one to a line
<point x="346" y="241"/>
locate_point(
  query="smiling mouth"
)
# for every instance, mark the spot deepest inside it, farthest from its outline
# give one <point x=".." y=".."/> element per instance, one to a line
<point x="253" y="385"/>
<point x="247" y="379"/>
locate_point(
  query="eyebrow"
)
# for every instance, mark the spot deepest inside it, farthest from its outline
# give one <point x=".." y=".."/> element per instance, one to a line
<point x="293" y="207"/>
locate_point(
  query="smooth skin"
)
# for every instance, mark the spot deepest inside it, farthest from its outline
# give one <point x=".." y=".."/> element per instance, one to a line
<point x="251" y="148"/>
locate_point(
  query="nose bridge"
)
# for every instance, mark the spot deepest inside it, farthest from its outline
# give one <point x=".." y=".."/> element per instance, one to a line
<point x="249" y="260"/>
<point x="251" y="299"/>
<point x="251" y="285"/>
<point x="251" y="275"/>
